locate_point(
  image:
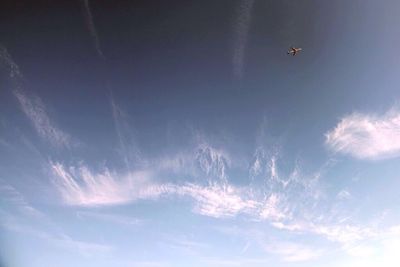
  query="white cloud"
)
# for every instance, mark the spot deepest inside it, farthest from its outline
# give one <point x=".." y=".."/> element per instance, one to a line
<point x="336" y="232"/>
<point x="80" y="186"/>
<point x="216" y="201"/>
<point x="264" y="164"/>
<point x="35" y="110"/>
<point x="343" y="195"/>
<point x="272" y="210"/>
<point x="292" y="252"/>
<point x="367" y="136"/>
<point x="294" y="227"/>
<point x="213" y="163"/>
<point x="33" y="106"/>
<point x="344" y="234"/>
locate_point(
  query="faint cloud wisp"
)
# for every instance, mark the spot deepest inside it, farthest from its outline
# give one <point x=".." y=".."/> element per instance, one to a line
<point x="241" y="34"/>
<point x="91" y="26"/>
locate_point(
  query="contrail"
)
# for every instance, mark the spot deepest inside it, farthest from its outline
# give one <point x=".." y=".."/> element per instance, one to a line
<point x="92" y="28"/>
<point x="241" y="32"/>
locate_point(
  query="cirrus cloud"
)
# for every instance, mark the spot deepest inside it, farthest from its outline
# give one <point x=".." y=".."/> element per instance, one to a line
<point x="366" y="136"/>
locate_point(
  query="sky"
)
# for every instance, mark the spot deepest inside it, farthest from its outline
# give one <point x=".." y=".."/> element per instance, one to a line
<point x="180" y="133"/>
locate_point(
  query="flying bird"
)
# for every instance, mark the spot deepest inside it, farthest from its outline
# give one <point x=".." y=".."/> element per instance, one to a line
<point x="294" y="50"/>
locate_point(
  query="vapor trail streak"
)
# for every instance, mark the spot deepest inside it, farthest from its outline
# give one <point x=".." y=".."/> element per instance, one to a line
<point x="92" y="28"/>
<point x="241" y="32"/>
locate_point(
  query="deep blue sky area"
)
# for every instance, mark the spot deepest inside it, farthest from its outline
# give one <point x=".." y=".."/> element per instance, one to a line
<point x="182" y="133"/>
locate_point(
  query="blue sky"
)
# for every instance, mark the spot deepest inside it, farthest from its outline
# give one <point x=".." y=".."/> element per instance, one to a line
<point x="182" y="134"/>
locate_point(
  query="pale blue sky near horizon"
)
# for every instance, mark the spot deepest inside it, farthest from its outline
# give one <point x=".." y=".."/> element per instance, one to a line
<point x="182" y="134"/>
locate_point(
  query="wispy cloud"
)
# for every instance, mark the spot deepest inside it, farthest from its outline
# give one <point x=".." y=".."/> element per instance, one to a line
<point x="241" y="35"/>
<point x="346" y="235"/>
<point x="91" y="27"/>
<point x="213" y="163"/>
<point x="367" y="136"/>
<point x="128" y="148"/>
<point x="343" y="195"/>
<point x="12" y="196"/>
<point x="237" y="262"/>
<point x="23" y="217"/>
<point x="7" y="61"/>
<point x="35" y="110"/>
<point x="216" y="201"/>
<point x="33" y="106"/>
<point x="143" y="263"/>
<point x="292" y="252"/>
<point x="109" y="217"/>
<point x="58" y="239"/>
<point x="82" y="187"/>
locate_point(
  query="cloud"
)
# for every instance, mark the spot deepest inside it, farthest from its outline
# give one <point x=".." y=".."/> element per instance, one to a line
<point x="60" y="240"/>
<point x="366" y="136"/>
<point x="35" y="110"/>
<point x="109" y="217"/>
<point x="346" y="235"/>
<point x="81" y="187"/>
<point x="129" y="150"/>
<point x="10" y="195"/>
<point x="292" y="252"/>
<point x="241" y="33"/>
<point x="7" y="61"/>
<point x="217" y="201"/>
<point x="92" y="27"/>
<point x="33" y="106"/>
<point x="287" y="202"/>
<point x="19" y="220"/>
<point x="343" y="195"/>
<point x="143" y="263"/>
<point x="213" y="163"/>
<point x="272" y="210"/>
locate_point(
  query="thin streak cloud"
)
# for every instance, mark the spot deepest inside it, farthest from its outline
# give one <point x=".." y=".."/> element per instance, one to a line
<point x="33" y="106"/>
<point x="91" y="27"/>
<point x="7" y="61"/>
<point x="35" y="111"/>
<point x="9" y="194"/>
<point x="128" y="148"/>
<point x="241" y="35"/>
